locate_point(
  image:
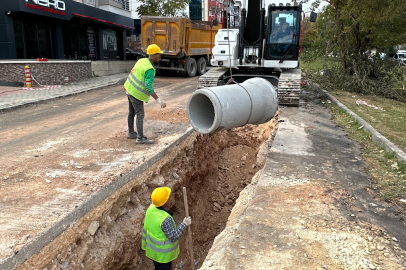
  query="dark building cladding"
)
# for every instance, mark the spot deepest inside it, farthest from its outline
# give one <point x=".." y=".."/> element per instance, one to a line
<point x="61" y="29"/>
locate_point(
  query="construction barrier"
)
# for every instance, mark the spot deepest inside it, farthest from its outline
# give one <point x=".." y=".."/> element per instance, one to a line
<point x="27" y="77"/>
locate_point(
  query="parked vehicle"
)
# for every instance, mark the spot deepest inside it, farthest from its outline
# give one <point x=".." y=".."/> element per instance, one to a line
<point x="133" y="55"/>
<point x="186" y="44"/>
<point x="400" y="56"/>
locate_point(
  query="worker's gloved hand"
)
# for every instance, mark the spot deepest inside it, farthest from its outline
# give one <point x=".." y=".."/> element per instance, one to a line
<point x="161" y="102"/>
<point x="187" y="221"/>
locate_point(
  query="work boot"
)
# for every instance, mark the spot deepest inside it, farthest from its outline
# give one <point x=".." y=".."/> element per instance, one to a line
<point x="132" y="135"/>
<point x="144" y="140"/>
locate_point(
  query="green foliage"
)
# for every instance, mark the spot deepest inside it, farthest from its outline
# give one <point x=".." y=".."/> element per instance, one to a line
<point x="309" y="35"/>
<point x="309" y="56"/>
<point x="368" y="76"/>
<point x="350" y="30"/>
<point x="165" y="8"/>
<point x="353" y="27"/>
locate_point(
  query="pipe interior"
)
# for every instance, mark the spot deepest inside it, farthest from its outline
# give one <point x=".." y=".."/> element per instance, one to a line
<point x="201" y="112"/>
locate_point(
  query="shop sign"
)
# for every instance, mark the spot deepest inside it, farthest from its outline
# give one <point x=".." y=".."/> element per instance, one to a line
<point x="110" y="46"/>
<point x="91" y="43"/>
<point x="109" y="40"/>
<point x="51" y="6"/>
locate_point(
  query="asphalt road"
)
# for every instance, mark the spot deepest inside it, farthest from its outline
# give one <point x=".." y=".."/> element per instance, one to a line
<point x="57" y="153"/>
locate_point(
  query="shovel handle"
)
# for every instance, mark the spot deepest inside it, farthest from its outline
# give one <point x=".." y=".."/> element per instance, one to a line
<point x="189" y="229"/>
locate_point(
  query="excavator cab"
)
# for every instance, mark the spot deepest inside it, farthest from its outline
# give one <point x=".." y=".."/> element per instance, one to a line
<point x="283" y="33"/>
<point x="263" y="46"/>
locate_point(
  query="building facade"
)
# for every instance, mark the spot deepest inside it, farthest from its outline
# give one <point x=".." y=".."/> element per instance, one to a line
<point x="64" y="29"/>
<point x="213" y="9"/>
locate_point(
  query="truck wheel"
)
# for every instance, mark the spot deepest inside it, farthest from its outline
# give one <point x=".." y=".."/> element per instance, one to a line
<point x="190" y="67"/>
<point x="201" y="66"/>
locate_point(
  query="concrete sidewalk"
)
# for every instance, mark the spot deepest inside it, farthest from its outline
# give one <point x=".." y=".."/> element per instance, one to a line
<point x="310" y="207"/>
<point x="21" y="97"/>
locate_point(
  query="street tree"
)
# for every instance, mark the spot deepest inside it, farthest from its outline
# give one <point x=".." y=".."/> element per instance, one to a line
<point x="165" y="8"/>
<point x="352" y="29"/>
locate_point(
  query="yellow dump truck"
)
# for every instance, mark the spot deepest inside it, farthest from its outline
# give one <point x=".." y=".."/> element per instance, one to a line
<point x="186" y="44"/>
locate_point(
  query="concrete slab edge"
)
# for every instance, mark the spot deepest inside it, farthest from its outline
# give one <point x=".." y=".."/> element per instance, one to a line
<point x="73" y="92"/>
<point x="34" y="247"/>
<point x="376" y="136"/>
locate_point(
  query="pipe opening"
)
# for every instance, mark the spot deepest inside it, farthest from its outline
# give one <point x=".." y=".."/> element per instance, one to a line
<point x="203" y="112"/>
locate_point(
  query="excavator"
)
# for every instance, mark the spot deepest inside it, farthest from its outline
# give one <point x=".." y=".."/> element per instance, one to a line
<point x="263" y="46"/>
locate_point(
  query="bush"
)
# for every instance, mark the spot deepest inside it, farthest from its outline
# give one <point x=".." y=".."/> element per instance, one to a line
<point x="367" y="75"/>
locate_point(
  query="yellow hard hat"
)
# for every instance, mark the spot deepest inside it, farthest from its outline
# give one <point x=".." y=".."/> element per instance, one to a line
<point x="153" y="49"/>
<point x="160" y="196"/>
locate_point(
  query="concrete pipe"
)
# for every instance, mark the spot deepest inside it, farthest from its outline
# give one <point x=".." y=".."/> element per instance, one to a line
<point x="224" y="107"/>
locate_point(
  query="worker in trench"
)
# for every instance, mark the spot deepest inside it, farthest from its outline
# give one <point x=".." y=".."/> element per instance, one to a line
<point x="160" y="235"/>
<point x="139" y="88"/>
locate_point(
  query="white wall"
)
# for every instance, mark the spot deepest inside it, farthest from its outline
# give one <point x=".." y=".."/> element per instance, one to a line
<point x="103" y="68"/>
<point x="116" y="10"/>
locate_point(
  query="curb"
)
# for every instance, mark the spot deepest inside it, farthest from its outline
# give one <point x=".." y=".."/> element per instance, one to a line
<point x="376" y="136"/>
<point x="34" y="247"/>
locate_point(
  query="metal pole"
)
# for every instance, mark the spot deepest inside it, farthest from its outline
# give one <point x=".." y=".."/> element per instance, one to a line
<point x="189" y="229"/>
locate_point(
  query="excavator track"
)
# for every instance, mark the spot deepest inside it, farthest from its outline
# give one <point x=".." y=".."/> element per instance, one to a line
<point x="211" y="78"/>
<point x="289" y="87"/>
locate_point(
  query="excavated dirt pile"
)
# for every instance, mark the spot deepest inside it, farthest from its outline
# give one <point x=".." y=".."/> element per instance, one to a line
<point x="213" y="168"/>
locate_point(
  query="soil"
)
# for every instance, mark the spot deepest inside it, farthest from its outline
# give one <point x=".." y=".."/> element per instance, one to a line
<point x="223" y="165"/>
<point x="56" y="154"/>
<point x="310" y="207"/>
<point x="296" y="200"/>
<point x="213" y="168"/>
<point x="64" y="164"/>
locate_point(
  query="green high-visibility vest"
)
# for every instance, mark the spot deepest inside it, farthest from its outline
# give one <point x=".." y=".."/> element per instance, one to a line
<point x="155" y="243"/>
<point x="135" y="83"/>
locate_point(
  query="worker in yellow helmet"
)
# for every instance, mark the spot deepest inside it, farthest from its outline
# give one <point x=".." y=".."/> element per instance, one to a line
<point x="139" y="88"/>
<point x="160" y="235"/>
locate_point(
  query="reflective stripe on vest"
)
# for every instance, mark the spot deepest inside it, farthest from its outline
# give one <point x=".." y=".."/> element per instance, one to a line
<point x="135" y="83"/>
<point x="155" y="243"/>
<point x="131" y="76"/>
<point x="159" y="243"/>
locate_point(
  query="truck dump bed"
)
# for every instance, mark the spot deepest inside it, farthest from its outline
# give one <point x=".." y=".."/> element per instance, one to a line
<point x="178" y="37"/>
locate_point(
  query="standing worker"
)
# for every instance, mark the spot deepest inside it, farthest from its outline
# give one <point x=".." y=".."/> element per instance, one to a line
<point x="160" y="235"/>
<point x="139" y="87"/>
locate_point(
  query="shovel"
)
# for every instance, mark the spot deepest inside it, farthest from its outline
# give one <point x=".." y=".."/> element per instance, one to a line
<point x="189" y="229"/>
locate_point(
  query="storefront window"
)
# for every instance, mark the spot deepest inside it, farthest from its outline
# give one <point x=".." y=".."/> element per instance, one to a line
<point x="32" y="39"/>
<point x="74" y="41"/>
<point x="42" y="40"/>
<point x="19" y="38"/>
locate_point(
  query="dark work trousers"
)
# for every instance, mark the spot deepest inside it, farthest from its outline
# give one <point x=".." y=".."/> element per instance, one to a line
<point x="163" y="266"/>
<point x="136" y="107"/>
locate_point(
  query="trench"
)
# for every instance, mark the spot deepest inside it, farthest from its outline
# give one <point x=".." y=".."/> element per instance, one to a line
<point x="213" y="168"/>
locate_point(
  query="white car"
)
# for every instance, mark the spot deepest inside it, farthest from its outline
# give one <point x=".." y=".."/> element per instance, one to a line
<point x="400" y="56"/>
